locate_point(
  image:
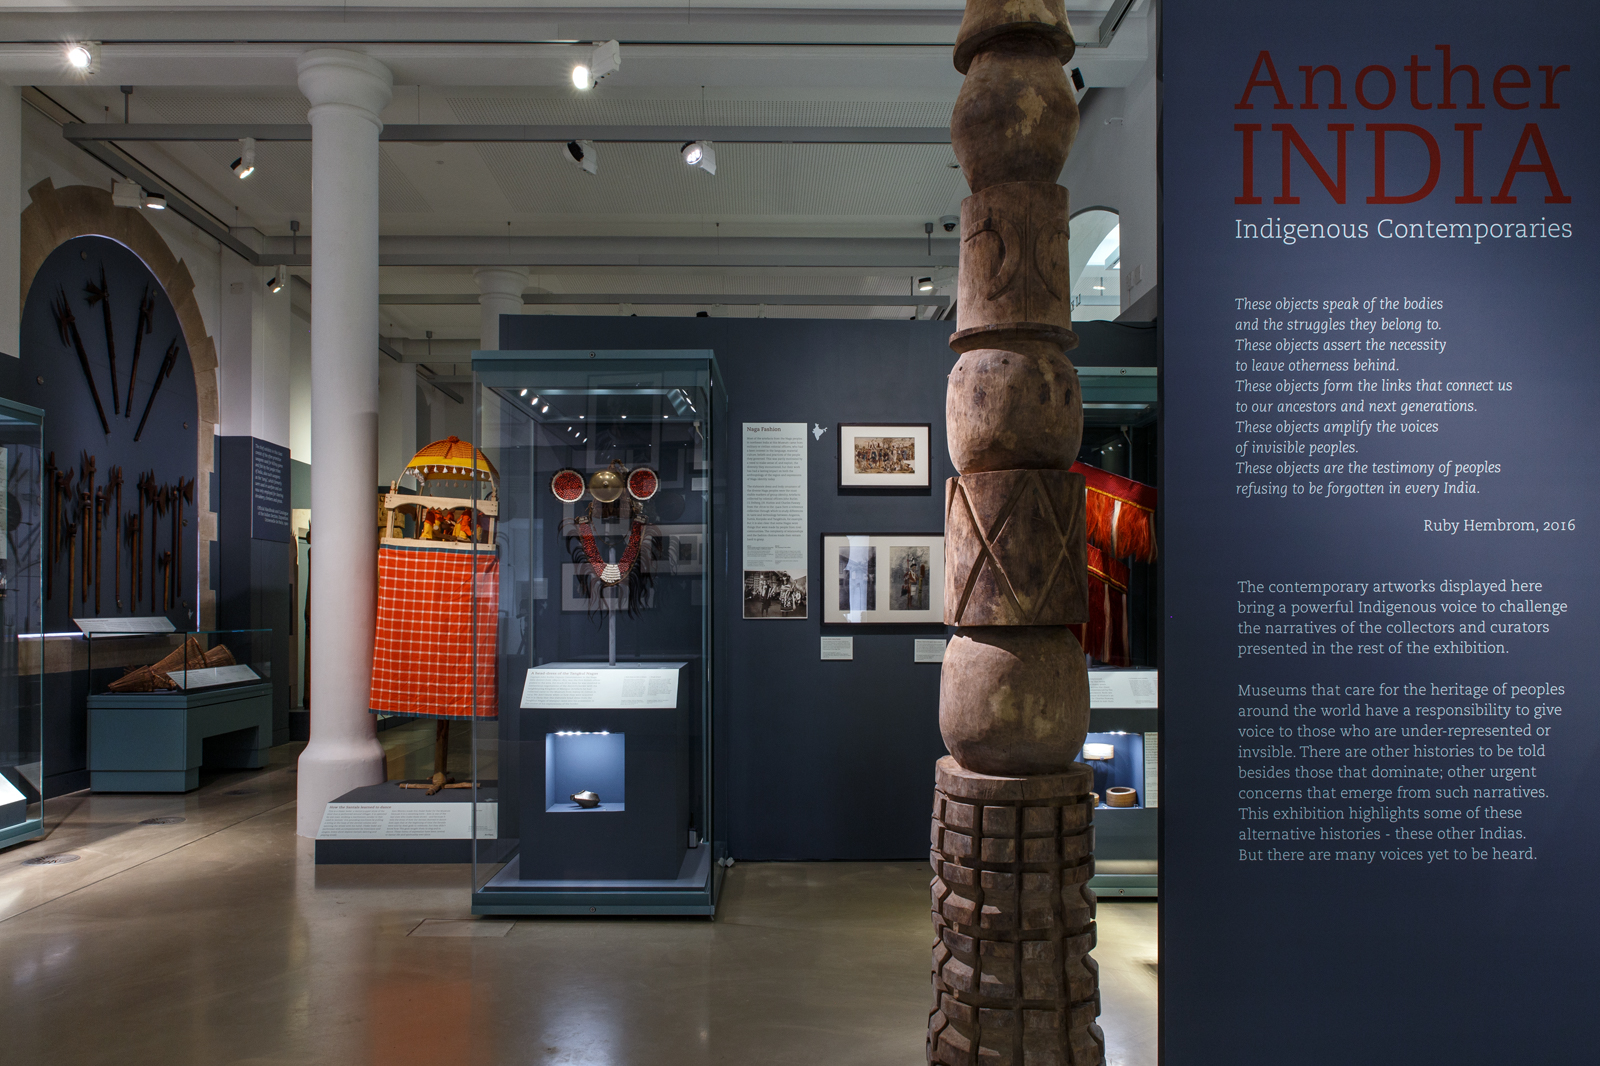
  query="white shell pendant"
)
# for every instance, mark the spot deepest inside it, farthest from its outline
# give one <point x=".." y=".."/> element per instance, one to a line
<point x="611" y="575"/>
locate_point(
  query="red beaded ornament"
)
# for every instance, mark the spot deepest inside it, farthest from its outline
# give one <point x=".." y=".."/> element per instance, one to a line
<point x="567" y="485"/>
<point x="643" y="483"/>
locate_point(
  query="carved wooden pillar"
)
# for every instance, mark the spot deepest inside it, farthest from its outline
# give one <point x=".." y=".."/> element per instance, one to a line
<point x="1013" y="834"/>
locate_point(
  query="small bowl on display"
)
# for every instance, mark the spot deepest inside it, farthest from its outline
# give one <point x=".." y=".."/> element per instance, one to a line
<point x="587" y="800"/>
<point x="1120" y="796"/>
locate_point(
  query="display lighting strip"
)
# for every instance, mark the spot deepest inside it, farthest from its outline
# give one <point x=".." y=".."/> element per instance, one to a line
<point x="583" y="733"/>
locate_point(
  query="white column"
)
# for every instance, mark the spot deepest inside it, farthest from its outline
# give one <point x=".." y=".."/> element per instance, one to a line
<point x="348" y="91"/>
<point x="499" y="293"/>
<point x="10" y="218"/>
<point x="397" y="417"/>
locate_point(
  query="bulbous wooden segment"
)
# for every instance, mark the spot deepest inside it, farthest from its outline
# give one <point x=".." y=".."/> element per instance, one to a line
<point x="986" y="21"/>
<point x="1014" y="700"/>
<point x="1014" y="550"/>
<point x="1014" y="281"/>
<point x="1006" y="410"/>
<point x="1015" y="117"/>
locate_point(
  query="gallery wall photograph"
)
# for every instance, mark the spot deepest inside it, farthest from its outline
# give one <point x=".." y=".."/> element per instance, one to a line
<point x="883" y="455"/>
<point x="883" y="578"/>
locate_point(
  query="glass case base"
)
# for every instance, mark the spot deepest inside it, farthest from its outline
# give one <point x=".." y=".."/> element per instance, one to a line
<point x="693" y="891"/>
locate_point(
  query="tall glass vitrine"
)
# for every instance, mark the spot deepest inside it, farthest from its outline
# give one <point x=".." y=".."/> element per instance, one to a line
<point x="22" y="547"/>
<point x="596" y="782"/>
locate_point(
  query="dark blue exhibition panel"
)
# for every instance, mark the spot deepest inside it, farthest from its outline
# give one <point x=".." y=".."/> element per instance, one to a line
<point x="1379" y="325"/>
<point x="823" y="760"/>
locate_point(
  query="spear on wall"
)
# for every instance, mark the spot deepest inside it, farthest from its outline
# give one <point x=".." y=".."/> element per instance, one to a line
<point x="147" y="307"/>
<point x="69" y="328"/>
<point x="167" y="364"/>
<point x="101" y="294"/>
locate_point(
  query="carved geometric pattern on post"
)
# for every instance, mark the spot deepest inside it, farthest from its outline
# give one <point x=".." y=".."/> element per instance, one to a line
<point x="1015" y="553"/>
<point x="1014" y="984"/>
<point x="1014" y="256"/>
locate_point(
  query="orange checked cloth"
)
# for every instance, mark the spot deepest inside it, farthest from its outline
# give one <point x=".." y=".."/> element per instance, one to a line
<point x="422" y="664"/>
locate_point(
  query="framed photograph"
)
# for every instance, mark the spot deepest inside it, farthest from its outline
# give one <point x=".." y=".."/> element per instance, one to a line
<point x="883" y="578"/>
<point x="883" y="455"/>
<point x="774" y="594"/>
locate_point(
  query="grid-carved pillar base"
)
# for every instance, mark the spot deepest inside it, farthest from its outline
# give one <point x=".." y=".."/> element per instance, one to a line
<point x="1013" y="981"/>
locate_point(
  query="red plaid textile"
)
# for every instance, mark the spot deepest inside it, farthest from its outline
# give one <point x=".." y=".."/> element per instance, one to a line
<point x="422" y="665"/>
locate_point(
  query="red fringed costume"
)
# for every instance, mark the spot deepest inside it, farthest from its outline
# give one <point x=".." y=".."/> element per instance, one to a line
<point x="422" y="663"/>
<point x="1120" y="524"/>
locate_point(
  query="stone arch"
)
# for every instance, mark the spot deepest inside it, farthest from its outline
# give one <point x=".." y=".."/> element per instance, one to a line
<point x="58" y="215"/>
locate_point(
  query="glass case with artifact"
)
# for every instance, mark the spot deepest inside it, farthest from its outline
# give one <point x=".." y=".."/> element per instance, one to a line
<point x="22" y="615"/>
<point x="595" y="783"/>
<point x="165" y="702"/>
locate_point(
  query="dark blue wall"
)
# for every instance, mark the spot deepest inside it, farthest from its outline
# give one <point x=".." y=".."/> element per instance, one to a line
<point x="824" y="760"/>
<point x="49" y="376"/>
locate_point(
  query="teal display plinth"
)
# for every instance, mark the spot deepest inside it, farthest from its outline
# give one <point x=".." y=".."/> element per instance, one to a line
<point x="157" y="741"/>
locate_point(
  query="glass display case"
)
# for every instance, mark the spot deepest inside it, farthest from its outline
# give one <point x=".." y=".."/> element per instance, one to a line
<point x="22" y="615"/>
<point x="596" y="781"/>
<point x="165" y="701"/>
<point x="143" y="655"/>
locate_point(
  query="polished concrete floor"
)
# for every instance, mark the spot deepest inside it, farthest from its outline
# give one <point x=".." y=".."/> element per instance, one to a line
<point x="216" y="940"/>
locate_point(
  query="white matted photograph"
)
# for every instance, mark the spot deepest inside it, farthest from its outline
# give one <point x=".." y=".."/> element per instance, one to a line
<point x="883" y="455"/>
<point x="883" y="578"/>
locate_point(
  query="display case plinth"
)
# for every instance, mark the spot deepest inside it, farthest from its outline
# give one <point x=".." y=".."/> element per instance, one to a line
<point x="692" y="891"/>
<point x="157" y="741"/>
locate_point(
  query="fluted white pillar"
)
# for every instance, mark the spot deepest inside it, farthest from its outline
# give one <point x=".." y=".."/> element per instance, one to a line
<point x="499" y="293"/>
<point x="348" y="91"/>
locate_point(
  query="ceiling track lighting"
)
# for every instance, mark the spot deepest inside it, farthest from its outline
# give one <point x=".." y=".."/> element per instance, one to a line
<point x="605" y="57"/>
<point x="276" y="284"/>
<point x="245" y="165"/>
<point x="155" y="201"/>
<point x="700" y="154"/>
<point x="127" y="193"/>
<point x="924" y="284"/>
<point x="581" y="154"/>
<point x="83" y="57"/>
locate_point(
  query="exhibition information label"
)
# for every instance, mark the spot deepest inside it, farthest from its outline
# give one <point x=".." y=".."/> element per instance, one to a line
<point x="1379" y="425"/>
<point x="1135" y="689"/>
<point x="211" y="676"/>
<point x="407" y="821"/>
<point x="601" y="688"/>
<point x="774" y="484"/>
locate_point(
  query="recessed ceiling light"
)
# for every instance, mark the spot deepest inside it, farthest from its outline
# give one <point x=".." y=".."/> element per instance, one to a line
<point x="84" y="57"/>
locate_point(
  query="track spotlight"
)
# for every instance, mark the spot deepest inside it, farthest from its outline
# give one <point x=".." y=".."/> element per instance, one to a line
<point x="605" y="58"/>
<point x="700" y="154"/>
<point x="84" y="57"/>
<point x="276" y="284"/>
<point x="127" y="194"/>
<point x="524" y="392"/>
<point x="245" y="165"/>
<point x="581" y="154"/>
<point x="924" y="284"/>
<point x="155" y="201"/>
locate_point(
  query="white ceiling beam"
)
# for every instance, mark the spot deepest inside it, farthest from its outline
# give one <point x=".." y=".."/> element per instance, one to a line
<point x="463" y="133"/>
<point x="879" y="253"/>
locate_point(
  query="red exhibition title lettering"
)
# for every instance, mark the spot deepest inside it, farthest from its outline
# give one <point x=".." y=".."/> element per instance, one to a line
<point x="1375" y="88"/>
